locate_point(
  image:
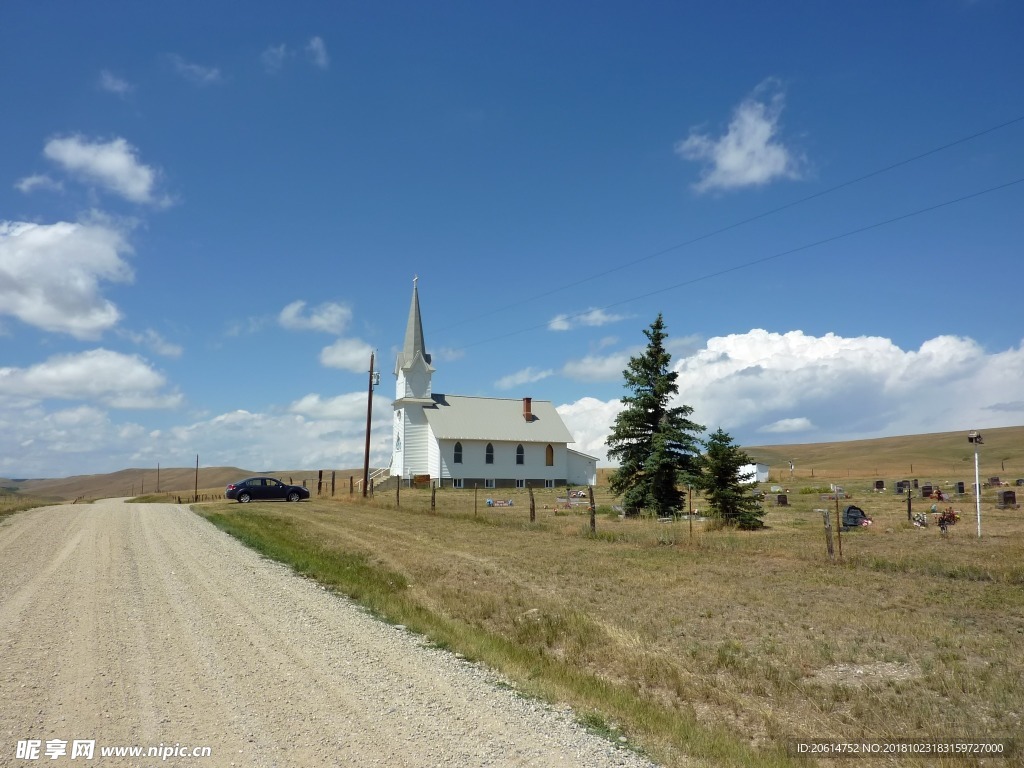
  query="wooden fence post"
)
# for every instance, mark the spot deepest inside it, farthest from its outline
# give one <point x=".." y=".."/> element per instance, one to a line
<point x="828" y="534"/>
<point x="350" y="484"/>
<point x="533" y="508"/>
<point x="398" y="495"/>
<point x="320" y="482"/>
<point x="332" y="483"/>
<point x="433" y="497"/>
<point x="839" y="526"/>
<point x="593" y="510"/>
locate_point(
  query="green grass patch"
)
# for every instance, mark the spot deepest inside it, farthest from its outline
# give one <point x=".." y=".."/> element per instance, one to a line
<point x="348" y="572"/>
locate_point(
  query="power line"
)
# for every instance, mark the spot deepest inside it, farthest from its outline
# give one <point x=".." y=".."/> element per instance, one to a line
<point x="738" y="224"/>
<point x="763" y="259"/>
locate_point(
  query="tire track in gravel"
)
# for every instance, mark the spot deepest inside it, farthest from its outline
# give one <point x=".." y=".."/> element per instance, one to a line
<point x="144" y="624"/>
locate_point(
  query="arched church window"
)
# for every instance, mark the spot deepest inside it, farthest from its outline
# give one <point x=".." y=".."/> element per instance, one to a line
<point x="489" y="454"/>
<point x="549" y="456"/>
<point x="520" y="455"/>
<point x="458" y="453"/>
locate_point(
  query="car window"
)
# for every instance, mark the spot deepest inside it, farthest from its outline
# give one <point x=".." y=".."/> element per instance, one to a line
<point x="273" y="483"/>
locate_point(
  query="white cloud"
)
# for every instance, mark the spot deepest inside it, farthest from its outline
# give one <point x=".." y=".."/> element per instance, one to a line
<point x="197" y="73"/>
<point x="99" y="375"/>
<point x="273" y="57"/>
<point x="247" y="326"/>
<point x="268" y="441"/>
<point x="598" y="367"/>
<point x="749" y="153"/>
<point x="50" y="275"/>
<point x="592" y="318"/>
<point x="36" y="181"/>
<point x="113" y="165"/>
<point x="829" y="387"/>
<point x="345" y="407"/>
<point x="446" y="354"/>
<point x="317" y="51"/>
<point x="683" y="346"/>
<point x="348" y="355"/>
<point x="311" y="433"/>
<point x="525" y="376"/>
<point x="154" y="342"/>
<point x="590" y="420"/>
<point x="110" y="82"/>
<point x="328" y="317"/>
<point x="33" y="440"/>
<point x="783" y="426"/>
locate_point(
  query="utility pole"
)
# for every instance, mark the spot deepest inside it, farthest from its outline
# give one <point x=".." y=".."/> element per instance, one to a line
<point x="369" y="414"/>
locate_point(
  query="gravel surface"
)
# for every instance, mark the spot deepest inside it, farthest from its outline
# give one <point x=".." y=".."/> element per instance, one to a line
<point x="142" y="624"/>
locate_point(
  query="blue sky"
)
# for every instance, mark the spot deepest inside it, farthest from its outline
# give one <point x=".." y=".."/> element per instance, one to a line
<point x="208" y="219"/>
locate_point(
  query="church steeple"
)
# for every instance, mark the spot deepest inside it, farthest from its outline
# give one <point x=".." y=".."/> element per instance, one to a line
<point x="413" y="332"/>
<point x="413" y="368"/>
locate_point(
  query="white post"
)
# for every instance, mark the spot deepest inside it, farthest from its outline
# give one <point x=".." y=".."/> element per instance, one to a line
<point x="977" y="488"/>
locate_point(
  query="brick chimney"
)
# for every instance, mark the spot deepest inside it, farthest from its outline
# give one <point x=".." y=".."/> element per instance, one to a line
<point x="528" y="408"/>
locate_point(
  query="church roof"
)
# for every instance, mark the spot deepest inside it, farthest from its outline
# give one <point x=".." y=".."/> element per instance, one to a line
<point x="413" y="335"/>
<point x="455" y="417"/>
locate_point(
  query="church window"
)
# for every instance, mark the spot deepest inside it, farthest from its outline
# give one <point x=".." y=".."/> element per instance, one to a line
<point x="458" y="453"/>
<point x="489" y="482"/>
<point x="549" y="456"/>
<point x="457" y="482"/>
<point x="520" y="455"/>
<point x="489" y="454"/>
<point x="520" y="483"/>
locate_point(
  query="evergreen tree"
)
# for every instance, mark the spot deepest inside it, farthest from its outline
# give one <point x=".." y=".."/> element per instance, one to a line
<point x="729" y="496"/>
<point x="655" y="443"/>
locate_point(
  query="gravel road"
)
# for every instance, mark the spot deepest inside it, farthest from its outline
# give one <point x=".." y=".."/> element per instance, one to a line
<point x="143" y="625"/>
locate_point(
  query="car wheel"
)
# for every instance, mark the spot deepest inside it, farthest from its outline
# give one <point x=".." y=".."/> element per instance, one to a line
<point x="293" y="496"/>
<point x="244" y="498"/>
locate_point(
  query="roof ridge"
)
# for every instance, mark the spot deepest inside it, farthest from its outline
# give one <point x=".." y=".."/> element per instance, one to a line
<point x="490" y="397"/>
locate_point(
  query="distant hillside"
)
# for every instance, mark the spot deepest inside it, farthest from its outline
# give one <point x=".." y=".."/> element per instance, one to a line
<point x="940" y="457"/>
<point x="944" y="456"/>
<point x="135" y="482"/>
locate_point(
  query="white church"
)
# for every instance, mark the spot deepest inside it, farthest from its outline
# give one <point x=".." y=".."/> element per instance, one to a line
<point x="462" y="442"/>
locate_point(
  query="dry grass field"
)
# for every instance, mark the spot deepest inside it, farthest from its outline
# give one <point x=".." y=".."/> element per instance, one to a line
<point x="713" y="647"/>
<point x="701" y="646"/>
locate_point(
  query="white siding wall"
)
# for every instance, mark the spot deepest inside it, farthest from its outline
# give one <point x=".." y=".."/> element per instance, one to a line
<point x="433" y="454"/>
<point x="757" y="473"/>
<point x="415" y="444"/>
<point x="397" y="456"/>
<point x="414" y="383"/>
<point x="504" y="466"/>
<point x="582" y="469"/>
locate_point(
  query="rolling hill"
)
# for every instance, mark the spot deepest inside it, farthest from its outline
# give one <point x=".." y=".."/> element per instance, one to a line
<point x="944" y="456"/>
<point x="940" y="456"/>
<point x="136" y="482"/>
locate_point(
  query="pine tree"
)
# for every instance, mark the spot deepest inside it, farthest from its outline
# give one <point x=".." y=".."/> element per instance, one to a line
<point x="655" y="443"/>
<point x="730" y="496"/>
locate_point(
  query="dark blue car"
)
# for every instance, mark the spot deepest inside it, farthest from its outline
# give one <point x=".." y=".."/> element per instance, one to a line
<point x="264" y="489"/>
